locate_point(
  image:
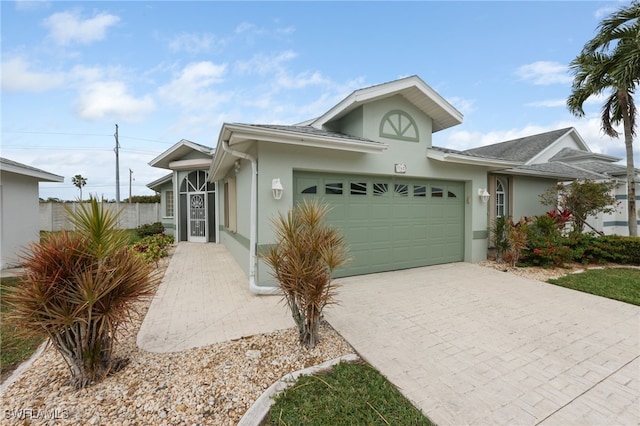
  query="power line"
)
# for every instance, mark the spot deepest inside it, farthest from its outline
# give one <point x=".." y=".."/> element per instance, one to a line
<point x="84" y="134"/>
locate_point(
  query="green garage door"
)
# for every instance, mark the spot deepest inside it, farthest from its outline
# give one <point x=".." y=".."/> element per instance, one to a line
<point x="390" y="222"/>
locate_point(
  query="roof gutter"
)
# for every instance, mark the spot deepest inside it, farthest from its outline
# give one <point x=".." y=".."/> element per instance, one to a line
<point x="253" y="232"/>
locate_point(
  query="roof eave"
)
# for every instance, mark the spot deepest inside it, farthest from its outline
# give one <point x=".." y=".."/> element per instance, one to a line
<point x="40" y="175"/>
<point x="448" y="157"/>
<point x="449" y="116"/>
<point x="235" y="134"/>
<point x="163" y="160"/>
<point x="159" y="182"/>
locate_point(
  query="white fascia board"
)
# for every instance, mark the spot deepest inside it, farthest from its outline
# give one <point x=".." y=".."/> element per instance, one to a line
<point x="465" y="159"/>
<point x="194" y="164"/>
<point x="300" y="139"/>
<point x="169" y="152"/>
<point x="161" y="181"/>
<point x="40" y="175"/>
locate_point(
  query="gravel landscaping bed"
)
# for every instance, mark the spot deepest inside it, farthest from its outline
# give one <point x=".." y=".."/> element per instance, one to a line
<point x="213" y="385"/>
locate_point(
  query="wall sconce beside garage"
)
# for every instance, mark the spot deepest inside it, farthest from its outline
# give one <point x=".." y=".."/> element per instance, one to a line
<point x="276" y="188"/>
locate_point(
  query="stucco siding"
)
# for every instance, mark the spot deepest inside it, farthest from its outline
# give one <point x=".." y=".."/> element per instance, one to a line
<point x="526" y="200"/>
<point x="20" y="215"/>
<point x="375" y="112"/>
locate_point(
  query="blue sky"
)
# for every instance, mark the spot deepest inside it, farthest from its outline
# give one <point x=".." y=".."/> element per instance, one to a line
<point x="167" y="70"/>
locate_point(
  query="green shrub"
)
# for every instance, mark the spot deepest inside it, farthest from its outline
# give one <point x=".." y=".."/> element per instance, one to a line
<point x="150" y="229"/>
<point x="153" y="247"/>
<point x="620" y="249"/>
<point x="499" y="232"/>
<point x="545" y="244"/>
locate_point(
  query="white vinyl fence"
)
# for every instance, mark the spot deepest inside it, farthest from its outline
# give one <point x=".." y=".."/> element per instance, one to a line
<point x="54" y="217"/>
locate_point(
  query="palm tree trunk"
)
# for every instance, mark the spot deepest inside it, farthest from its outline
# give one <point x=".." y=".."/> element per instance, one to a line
<point x="631" y="171"/>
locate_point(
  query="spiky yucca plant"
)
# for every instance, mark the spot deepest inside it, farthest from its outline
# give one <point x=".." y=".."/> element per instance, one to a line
<point x="78" y="289"/>
<point x="306" y="253"/>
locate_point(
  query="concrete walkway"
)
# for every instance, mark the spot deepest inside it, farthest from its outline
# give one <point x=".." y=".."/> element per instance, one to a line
<point x="467" y="344"/>
<point x="203" y="299"/>
<point x="470" y="345"/>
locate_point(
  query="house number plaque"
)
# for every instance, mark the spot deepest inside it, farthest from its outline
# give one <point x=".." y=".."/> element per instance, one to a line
<point x="401" y="168"/>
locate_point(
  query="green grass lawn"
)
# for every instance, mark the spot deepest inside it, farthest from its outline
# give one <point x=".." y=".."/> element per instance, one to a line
<point x="14" y="348"/>
<point x="621" y="284"/>
<point x="348" y="394"/>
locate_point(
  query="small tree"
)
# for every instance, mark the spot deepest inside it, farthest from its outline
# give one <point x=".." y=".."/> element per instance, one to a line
<point x="306" y="253"/>
<point x="582" y="198"/>
<point x="78" y="290"/>
<point x="79" y="182"/>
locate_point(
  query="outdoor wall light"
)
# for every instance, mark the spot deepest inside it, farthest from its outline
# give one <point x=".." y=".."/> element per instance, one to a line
<point x="483" y="194"/>
<point x="236" y="167"/>
<point x="276" y="188"/>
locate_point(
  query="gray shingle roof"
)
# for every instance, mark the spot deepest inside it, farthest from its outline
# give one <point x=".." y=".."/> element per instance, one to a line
<point x="558" y="169"/>
<point x="603" y="168"/>
<point x="310" y="131"/>
<point x="568" y="153"/>
<point x="521" y="149"/>
<point x="467" y="153"/>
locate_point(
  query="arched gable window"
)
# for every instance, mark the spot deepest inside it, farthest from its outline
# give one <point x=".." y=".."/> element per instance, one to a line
<point x="398" y="124"/>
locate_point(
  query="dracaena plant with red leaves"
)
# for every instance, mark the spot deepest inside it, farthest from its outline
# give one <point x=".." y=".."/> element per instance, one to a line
<point x="306" y="253"/>
<point x="78" y="290"/>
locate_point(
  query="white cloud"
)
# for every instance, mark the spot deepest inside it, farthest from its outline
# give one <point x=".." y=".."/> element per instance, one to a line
<point x="69" y="27"/>
<point x="110" y="99"/>
<point x="264" y="64"/>
<point x="463" y="105"/>
<point x="251" y="32"/>
<point x="18" y="76"/>
<point x="549" y="103"/>
<point x="29" y="5"/>
<point x="544" y="73"/>
<point x="194" y="43"/>
<point x="192" y="87"/>
<point x="302" y="80"/>
<point x="604" y="12"/>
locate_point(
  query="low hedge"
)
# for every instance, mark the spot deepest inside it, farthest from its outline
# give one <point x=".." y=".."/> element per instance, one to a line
<point x="585" y="248"/>
<point x="150" y="229"/>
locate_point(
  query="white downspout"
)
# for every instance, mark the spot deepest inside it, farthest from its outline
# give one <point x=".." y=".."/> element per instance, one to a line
<point x="253" y="232"/>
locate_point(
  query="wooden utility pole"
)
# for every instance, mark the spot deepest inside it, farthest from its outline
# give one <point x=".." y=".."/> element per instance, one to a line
<point x="117" y="148"/>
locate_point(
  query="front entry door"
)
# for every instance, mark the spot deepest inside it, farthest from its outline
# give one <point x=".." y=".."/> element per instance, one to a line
<point x="198" y="217"/>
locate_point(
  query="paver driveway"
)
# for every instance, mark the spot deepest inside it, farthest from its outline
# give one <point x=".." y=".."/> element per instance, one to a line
<point x="470" y="345"/>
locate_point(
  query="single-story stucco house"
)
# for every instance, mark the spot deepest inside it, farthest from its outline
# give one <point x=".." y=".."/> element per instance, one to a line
<point x="399" y="201"/>
<point x="19" y="208"/>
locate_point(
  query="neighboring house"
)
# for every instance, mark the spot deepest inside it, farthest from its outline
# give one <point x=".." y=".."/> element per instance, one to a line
<point x="548" y="158"/>
<point x="19" y="208"/>
<point x="399" y="201"/>
<point x="187" y="195"/>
